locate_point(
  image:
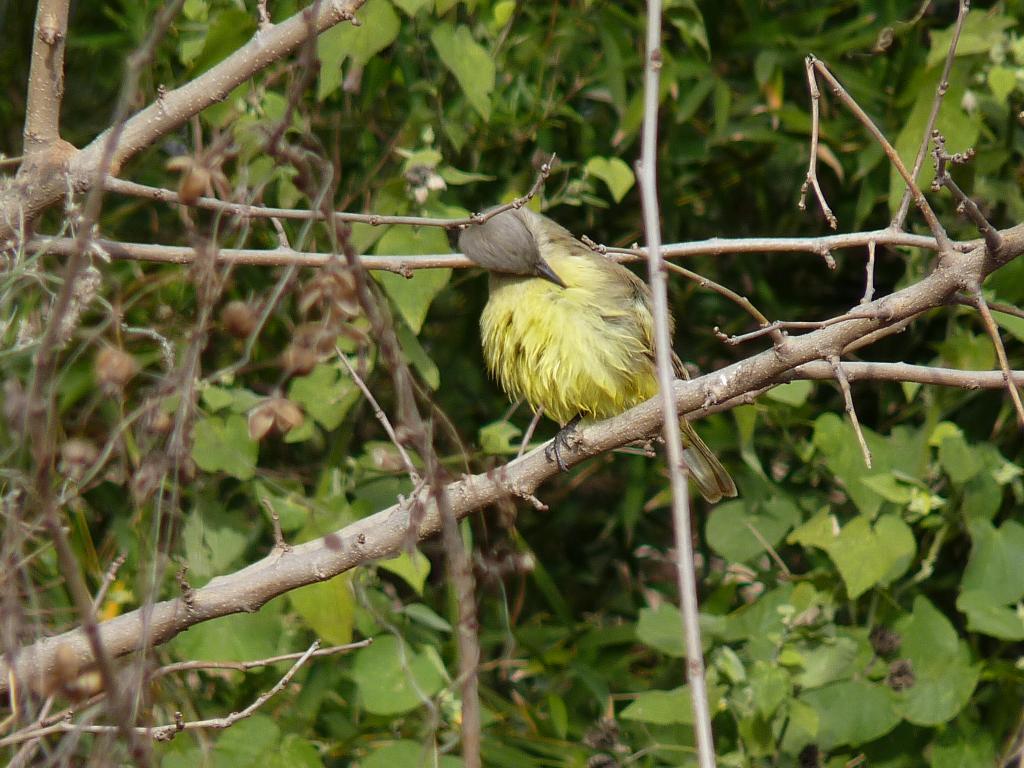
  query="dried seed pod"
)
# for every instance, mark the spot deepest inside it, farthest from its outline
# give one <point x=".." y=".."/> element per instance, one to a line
<point x="113" y="369"/>
<point x="239" y="319"/>
<point x="77" y="455"/>
<point x="277" y="414"/>
<point x="298" y="359"/>
<point x="885" y="641"/>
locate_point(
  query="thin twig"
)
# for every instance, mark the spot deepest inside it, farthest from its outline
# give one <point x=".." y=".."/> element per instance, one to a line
<point x="844" y="385"/>
<point x="965" y="205"/>
<point x="169" y="731"/>
<point x="812" y="163"/>
<point x="997" y="342"/>
<point x="778" y="338"/>
<point x="280" y="543"/>
<point x="940" y="92"/>
<point x="678" y="471"/>
<point x="244" y="666"/>
<point x="904" y="372"/>
<point x="108" y="579"/>
<point x="938" y="231"/>
<point x="795" y="325"/>
<point x="869" y="281"/>
<point x="528" y="435"/>
<point x="244" y="210"/>
<point x="405" y="265"/>
<point x="382" y="417"/>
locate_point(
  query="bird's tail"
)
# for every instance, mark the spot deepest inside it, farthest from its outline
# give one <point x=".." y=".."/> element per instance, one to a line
<point x="712" y="480"/>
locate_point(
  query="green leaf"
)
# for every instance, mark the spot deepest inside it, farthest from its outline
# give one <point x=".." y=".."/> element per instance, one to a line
<point x="802" y="728"/>
<point x="770" y="686"/>
<point x="413" y="295"/>
<point x="1002" y="81"/>
<point x="418" y="356"/>
<point x="944" y="677"/>
<point x="559" y="715"/>
<point x="411" y="7"/>
<point x="851" y="712"/>
<point x="212" y="543"/>
<point x="996" y="564"/>
<point x="499" y="438"/>
<point x="964" y="745"/>
<point x="866" y="556"/>
<point x="662" y="628"/>
<point x="294" y="751"/>
<point x="229" y="30"/>
<point x="427" y="617"/>
<point x="328" y="608"/>
<point x="469" y="62"/>
<point x="326" y="393"/>
<point x="993" y="582"/>
<point x="614" y="172"/>
<point x="224" y="445"/>
<point x="249" y="745"/>
<point x="820" y="531"/>
<point x="661" y="707"/>
<point x="827" y="662"/>
<point x="392" y="678"/>
<point x="455" y="177"/>
<point x="412" y="569"/>
<point x="980" y="30"/>
<point x="794" y="394"/>
<point x="1012" y="323"/>
<point x="238" y="637"/>
<point x="958" y="459"/>
<point x="738" y="530"/>
<point x="409" y="753"/>
<point x="989" y="617"/>
<point x="379" y="28"/>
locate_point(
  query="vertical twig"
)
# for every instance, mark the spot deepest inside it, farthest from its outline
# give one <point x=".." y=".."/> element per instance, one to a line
<point x="1004" y="364"/>
<point x="812" y="164"/>
<point x="46" y="76"/>
<point x="869" y="281"/>
<point x="940" y="92"/>
<point x="647" y="179"/>
<point x="382" y="417"/>
<point x="844" y="385"/>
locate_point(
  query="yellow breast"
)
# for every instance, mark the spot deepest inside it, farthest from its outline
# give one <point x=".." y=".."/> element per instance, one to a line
<point x="581" y="350"/>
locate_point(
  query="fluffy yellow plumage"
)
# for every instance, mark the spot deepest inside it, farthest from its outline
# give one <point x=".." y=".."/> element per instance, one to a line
<point x="571" y="331"/>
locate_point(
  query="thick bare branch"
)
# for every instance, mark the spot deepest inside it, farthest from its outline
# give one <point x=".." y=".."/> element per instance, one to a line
<point x="46" y="76"/>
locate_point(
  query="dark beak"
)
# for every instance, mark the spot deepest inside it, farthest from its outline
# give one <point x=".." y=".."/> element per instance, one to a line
<point x="545" y="271"/>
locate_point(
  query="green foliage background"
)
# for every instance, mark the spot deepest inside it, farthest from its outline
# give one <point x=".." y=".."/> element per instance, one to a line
<point x="580" y="639"/>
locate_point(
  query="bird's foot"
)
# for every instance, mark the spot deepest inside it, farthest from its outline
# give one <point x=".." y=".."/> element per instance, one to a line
<point x="565" y="439"/>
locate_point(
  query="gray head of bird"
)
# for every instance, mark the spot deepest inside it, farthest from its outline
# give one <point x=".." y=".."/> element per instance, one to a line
<point x="505" y="243"/>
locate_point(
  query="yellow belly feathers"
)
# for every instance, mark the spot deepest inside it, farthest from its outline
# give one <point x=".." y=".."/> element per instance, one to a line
<point x="581" y="350"/>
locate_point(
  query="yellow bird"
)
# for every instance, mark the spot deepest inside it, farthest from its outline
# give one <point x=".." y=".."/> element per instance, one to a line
<point x="571" y="331"/>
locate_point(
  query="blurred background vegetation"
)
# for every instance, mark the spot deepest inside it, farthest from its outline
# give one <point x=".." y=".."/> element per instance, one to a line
<point x="898" y="639"/>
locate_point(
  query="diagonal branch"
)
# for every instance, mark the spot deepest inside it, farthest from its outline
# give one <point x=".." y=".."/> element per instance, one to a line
<point x="383" y="534"/>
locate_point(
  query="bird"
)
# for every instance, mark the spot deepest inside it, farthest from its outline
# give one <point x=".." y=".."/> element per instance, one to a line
<point x="572" y="332"/>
